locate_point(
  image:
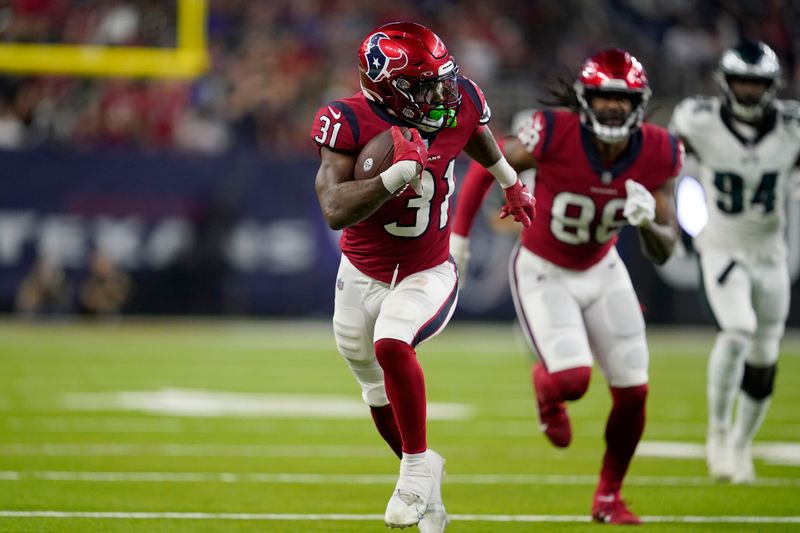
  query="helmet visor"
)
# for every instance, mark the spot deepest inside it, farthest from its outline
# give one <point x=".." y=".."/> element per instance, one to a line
<point x="440" y="91"/>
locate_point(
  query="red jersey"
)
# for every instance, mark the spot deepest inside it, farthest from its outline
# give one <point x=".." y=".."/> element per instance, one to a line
<point x="579" y="200"/>
<point x="408" y="232"/>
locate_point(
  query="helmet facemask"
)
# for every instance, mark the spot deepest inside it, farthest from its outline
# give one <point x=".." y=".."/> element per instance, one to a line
<point x="612" y="127"/>
<point x="744" y="108"/>
<point x="750" y="61"/>
<point x="431" y="104"/>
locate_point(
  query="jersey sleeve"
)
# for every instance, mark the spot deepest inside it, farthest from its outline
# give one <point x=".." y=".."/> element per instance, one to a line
<point x="677" y="153"/>
<point x="689" y="120"/>
<point x="679" y="122"/>
<point x="475" y="95"/>
<point x="789" y="111"/>
<point x="535" y="133"/>
<point x="336" y="127"/>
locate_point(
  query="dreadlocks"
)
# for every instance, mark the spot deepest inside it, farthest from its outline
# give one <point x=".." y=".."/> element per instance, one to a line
<point x="562" y="95"/>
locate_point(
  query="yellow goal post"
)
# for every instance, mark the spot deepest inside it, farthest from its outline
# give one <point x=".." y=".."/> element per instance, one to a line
<point x="187" y="60"/>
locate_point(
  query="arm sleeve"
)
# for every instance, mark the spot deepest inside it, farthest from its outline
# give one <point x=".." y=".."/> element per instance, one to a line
<point x="477" y="182"/>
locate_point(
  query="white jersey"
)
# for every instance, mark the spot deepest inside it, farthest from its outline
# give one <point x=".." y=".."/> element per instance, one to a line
<point x="745" y="178"/>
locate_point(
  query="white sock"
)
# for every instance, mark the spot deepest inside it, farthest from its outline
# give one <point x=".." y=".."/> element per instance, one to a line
<point x="412" y="460"/>
<point x="415" y="475"/>
<point x="725" y="370"/>
<point x="750" y="415"/>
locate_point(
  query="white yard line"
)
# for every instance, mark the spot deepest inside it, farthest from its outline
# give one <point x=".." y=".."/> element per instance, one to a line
<point x="209" y="403"/>
<point x="364" y="479"/>
<point x="778" y="453"/>
<point x="376" y="517"/>
<point x="58" y="449"/>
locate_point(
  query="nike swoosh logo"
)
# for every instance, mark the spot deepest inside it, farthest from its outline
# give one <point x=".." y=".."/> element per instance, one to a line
<point x="335" y="114"/>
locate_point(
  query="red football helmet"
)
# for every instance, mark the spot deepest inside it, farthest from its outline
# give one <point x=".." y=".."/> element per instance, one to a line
<point x="616" y="72"/>
<point x="406" y="68"/>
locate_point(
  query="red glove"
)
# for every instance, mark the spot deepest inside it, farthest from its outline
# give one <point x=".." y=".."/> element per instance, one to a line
<point x="405" y="150"/>
<point x="519" y="203"/>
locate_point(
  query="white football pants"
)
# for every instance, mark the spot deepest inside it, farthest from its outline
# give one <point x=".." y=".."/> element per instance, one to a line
<point x="366" y="310"/>
<point x="570" y="317"/>
<point x="748" y="296"/>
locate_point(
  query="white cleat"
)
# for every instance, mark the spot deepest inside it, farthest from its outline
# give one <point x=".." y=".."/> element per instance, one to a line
<point x="719" y="456"/>
<point x="435" y="519"/>
<point x="412" y="492"/>
<point x="743" y="470"/>
<point x="404" y="509"/>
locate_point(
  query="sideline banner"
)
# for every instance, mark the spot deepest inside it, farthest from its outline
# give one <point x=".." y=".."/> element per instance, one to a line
<point x="237" y="234"/>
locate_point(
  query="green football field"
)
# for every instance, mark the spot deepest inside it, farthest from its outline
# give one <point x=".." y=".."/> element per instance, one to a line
<point x="208" y="426"/>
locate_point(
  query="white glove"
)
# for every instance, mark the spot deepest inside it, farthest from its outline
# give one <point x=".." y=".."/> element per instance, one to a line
<point x="640" y="206"/>
<point x="459" y="249"/>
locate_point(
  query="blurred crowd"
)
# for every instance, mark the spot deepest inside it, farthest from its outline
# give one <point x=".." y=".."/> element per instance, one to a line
<point x="273" y="62"/>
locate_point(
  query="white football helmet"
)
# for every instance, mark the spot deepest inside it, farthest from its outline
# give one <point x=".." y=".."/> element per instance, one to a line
<point x="749" y="60"/>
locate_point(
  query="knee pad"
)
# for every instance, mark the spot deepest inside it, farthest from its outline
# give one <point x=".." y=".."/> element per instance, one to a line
<point x="572" y="383"/>
<point x="369" y="376"/>
<point x="352" y="341"/>
<point x="357" y="350"/>
<point x="758" y="381"/>
<point x="765" y="350"/>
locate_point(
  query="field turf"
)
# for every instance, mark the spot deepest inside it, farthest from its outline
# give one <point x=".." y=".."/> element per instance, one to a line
<point x="208" y="426"/>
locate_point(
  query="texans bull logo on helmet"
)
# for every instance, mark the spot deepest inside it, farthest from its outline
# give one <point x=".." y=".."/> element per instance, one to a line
<point x="383" y="58"/>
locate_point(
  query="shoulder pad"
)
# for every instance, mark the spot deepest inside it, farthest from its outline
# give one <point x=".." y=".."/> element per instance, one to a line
<point x="476" y="96"/>
<point x="788" y="108"/>
<point x="692" y="112"/>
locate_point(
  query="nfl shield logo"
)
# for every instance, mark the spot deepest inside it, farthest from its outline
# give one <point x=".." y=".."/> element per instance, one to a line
<point x="339" y="283"/>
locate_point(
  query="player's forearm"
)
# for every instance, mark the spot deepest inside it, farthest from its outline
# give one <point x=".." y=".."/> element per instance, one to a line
<point x="482" y="147"/>
<point x="658" y="241"/>
<point x="350" y="202"/>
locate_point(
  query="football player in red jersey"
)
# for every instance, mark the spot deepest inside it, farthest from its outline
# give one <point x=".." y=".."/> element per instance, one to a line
<point x="396" y="286"/>
<point x="598" y="167"/>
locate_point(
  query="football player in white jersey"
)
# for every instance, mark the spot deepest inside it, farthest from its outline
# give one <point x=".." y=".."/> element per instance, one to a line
<point x="747" y="145"/>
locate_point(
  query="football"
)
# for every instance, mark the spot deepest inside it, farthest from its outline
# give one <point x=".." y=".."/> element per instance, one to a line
<point x="376" y="156"/>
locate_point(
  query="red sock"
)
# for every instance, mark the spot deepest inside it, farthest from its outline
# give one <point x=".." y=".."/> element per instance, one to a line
<point x="571" y="384"/>
<point x="405" y="388"/>
<point x="387" y="426"/>
<point x="623" y="431"/>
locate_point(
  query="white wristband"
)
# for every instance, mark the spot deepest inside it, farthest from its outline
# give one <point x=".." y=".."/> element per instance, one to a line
<point x="504" y="173"/>
<point x="398" y="175"/>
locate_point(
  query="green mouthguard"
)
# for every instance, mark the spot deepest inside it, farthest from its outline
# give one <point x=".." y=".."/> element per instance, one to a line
<point x="448" y="114"/>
